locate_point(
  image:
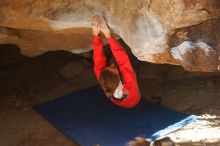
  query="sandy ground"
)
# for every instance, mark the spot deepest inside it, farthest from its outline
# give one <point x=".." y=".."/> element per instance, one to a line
<point x="29" y="81"/>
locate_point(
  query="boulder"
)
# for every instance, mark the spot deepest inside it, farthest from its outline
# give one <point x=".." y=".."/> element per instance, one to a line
<point x="72" y="69"/>
<point x="180" y="32"/>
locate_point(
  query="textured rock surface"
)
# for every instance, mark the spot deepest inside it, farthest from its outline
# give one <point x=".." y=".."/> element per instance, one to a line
<point x="181" y="32"/>
<point x="72" y="69"/>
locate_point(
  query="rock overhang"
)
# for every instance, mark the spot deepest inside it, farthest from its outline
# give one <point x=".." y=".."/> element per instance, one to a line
<point x="149" y="27"/>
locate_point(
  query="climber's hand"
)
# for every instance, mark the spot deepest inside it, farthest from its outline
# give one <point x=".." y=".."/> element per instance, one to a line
<point x="95" y="25"/>
<point x="104" y="27"/>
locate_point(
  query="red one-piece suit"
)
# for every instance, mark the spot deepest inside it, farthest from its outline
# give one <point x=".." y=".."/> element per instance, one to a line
<point x="129" y="81"/>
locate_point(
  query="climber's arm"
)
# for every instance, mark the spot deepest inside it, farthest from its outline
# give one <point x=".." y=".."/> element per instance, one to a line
<point x="98" y="56"/>
<point x="122" y="60"/>
<point x="130" y="86"/>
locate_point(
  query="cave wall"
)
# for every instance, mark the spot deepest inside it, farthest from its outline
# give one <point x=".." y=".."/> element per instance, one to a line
<point x="180" y="32"/>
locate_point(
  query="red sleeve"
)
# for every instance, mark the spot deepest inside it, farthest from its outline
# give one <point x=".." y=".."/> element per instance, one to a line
<point x="128" y="75"/>
<point x="98" y="56"/>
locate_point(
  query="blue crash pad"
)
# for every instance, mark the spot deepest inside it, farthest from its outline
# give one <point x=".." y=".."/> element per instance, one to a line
<point x="90" y="118"/>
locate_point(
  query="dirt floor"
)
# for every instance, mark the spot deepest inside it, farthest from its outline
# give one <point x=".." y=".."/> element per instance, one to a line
<point x="29" y="81"/>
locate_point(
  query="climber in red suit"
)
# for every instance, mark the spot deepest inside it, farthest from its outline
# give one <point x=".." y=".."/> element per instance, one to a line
<point x="119" y="85"/>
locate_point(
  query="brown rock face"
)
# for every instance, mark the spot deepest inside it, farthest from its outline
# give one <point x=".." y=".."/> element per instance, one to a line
<point x="181" y="32"/>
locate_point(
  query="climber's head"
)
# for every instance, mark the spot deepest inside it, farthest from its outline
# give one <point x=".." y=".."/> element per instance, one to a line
<point x="109" y="79"/>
